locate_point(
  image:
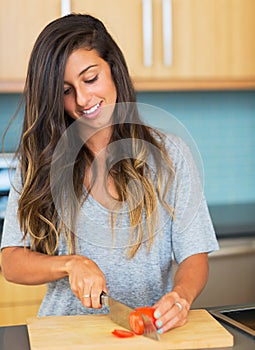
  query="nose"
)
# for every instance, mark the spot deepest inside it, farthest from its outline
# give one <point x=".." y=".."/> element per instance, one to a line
<point x="82" y="97"/>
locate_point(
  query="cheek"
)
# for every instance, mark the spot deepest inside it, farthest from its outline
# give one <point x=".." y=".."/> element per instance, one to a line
<point x="68" y="105"/>
<point x="113" y="93"/>
<point x="109" y="88"/>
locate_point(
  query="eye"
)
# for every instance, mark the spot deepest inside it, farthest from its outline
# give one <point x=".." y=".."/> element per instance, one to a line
<point x="90" y="81"/>
<point x="67" y="91"/>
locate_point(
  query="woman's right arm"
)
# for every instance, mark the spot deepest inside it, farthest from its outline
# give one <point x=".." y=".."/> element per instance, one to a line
<point x="23" y="266"/>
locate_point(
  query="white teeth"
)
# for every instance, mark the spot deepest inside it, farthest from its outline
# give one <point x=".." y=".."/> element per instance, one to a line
<point x="92" y="109"/>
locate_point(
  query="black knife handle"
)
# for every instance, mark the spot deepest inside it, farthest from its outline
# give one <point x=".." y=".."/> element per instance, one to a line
<point x="104" y="299"/>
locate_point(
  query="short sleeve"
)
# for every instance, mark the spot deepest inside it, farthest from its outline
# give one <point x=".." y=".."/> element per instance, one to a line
<point x="192" y="228"/>
<point x="12" y="235"/>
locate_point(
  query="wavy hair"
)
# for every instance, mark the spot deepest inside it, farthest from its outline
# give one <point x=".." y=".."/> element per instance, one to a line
<point x="45" y="121"/>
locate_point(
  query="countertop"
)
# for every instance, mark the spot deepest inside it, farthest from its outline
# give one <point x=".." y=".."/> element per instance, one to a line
<point x="16" y="338"/>
<point x="233" y="220"/>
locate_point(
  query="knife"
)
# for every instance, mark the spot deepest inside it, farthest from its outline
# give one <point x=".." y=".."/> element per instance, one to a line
<point x="119" y="313"/>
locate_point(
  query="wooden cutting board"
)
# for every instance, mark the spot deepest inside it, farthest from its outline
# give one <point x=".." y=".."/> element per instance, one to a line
<point x="94" y="332"/>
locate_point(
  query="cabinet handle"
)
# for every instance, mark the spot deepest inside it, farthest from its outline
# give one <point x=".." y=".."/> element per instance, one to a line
<point x="65" y="7"/>
<point x="147" y="33"/>
<point x="167" y="31"/>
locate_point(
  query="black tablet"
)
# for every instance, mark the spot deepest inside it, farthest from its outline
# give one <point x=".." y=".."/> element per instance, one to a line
<point x="241" y="316"/>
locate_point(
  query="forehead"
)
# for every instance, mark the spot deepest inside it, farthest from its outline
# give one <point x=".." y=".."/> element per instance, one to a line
<point x="82" y="60"/>
<point x="83" y="55"/>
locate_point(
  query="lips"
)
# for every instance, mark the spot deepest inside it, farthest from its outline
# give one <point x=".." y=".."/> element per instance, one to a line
<point x="91" y="110"/>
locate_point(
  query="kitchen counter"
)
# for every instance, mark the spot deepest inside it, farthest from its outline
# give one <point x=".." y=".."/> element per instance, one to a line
<point x="233" y="220"/>
<point x="16" y="338"/>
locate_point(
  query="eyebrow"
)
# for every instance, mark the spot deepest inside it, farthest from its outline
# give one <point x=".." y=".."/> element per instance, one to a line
<point x="87" y="68"/>
<point x="84" y="71"/>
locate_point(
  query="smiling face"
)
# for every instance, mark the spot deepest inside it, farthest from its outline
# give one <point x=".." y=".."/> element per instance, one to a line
<point x="89" y="91"/>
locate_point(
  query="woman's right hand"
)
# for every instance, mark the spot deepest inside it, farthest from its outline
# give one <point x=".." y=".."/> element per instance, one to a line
<point x="24" y="266"/>
<point x="86" y="280"/>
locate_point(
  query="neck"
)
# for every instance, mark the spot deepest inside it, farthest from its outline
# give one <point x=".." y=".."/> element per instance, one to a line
<point x="99" y="140"/>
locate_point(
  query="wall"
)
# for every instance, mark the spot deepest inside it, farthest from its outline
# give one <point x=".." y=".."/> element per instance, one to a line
<point x="221" y="123"/>
<point x="223" y="126"/>
<point x="8" y="106"/>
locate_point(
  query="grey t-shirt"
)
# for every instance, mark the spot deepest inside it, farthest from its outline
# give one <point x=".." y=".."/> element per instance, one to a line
<point x="144" y="279"/>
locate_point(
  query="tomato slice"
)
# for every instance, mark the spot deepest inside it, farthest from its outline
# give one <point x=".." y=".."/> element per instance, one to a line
<point x="136" y="322"/>
<point x="121" y="333"/>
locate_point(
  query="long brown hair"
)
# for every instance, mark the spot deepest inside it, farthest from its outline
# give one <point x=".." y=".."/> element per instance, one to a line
<point x="45" y="121"/>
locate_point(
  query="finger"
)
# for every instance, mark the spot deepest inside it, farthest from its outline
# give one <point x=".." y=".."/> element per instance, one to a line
<point x="179" y="306"/>
<point x="171" y="319"/>
<point x="86" y="298"/>
<point x="177" y="321"/>
<point x="170" y="302"/>
<point x="95" y="301"/>
<point x="171" y="316"/>
<point x="163" y="306"/>
<point x="80" y="291"/>
<point x="96" y="291"/>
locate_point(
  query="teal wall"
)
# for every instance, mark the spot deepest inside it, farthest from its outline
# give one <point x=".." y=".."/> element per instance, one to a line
<point x="223" y="127"/>
<point x="8" y="106"/>
<point x="221" y="123"/>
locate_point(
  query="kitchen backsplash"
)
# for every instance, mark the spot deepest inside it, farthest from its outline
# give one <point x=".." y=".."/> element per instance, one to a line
<point x="222" y="123"/>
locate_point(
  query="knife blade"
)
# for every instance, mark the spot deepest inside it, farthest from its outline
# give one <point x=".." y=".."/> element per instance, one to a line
<point x="119" y="313"/>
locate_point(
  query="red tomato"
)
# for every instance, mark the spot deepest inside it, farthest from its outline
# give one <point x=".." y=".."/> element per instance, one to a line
<point x="121" y="333"/>
<point x="136" y="320"/>
<point x="147" y="311"/>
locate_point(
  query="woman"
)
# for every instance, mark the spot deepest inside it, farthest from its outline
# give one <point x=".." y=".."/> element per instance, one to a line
<point x="101" y="198"/>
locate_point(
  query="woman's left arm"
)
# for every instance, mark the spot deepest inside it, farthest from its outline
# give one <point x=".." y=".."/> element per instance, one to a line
<point x="191" y="276"/>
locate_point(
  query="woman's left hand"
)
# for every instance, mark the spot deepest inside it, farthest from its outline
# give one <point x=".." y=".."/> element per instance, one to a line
<point x="171" y="311"/>
<point x="190" y="278"/>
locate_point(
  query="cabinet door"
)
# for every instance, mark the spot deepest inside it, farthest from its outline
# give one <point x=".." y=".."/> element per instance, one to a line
<point x="212" y="39"/>
<point x="20" y="23"/>
<point x="18" y="302"/>
<point x="123" y="19"/>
